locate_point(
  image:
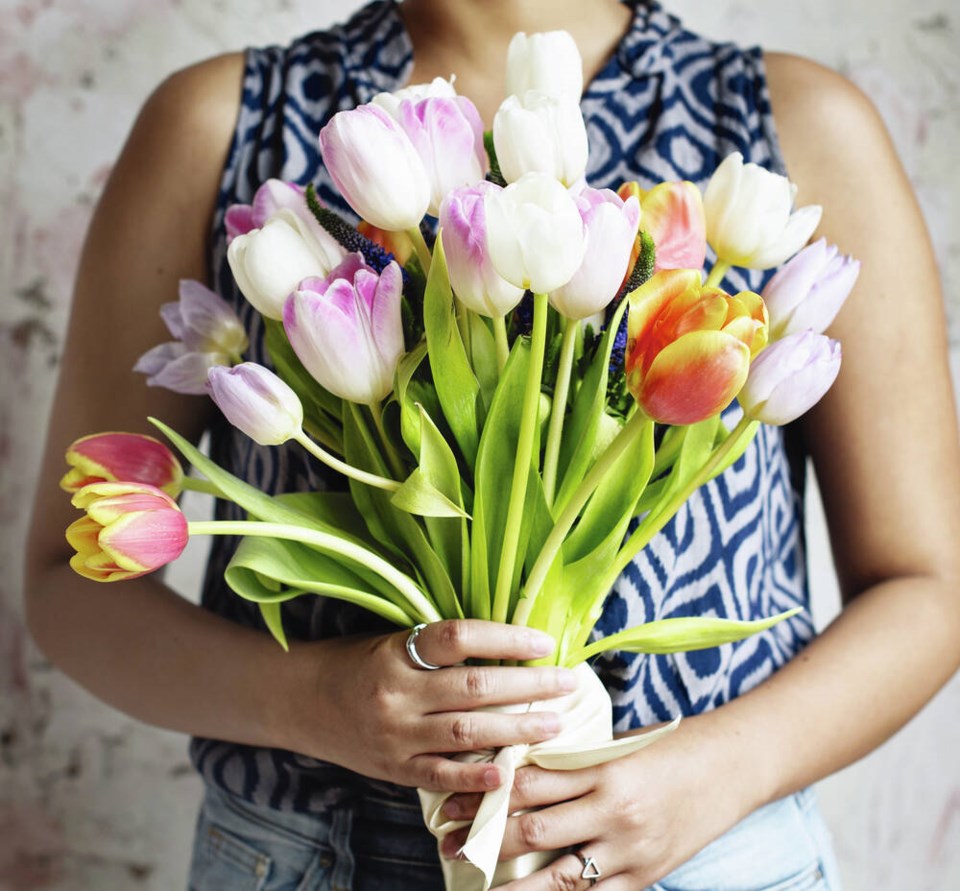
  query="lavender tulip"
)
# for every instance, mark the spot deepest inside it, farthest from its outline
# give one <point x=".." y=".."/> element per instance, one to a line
<point x="611" y="230"/>
<point x="548" y="62"/>
<point x="347" y="330"/>
<point x="808" y="292"/>
<point x="463" y="229"/>
<point x="789" y="377"/>
<point x="535" y="236"/>
<point x="257" y="402"/>
<point x="376" y="168"/>
<point x="207" y="332"/>
<point x="537" y="132"/>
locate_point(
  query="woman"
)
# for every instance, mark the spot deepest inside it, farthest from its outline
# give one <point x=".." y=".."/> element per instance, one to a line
<point x="662" y="104"/>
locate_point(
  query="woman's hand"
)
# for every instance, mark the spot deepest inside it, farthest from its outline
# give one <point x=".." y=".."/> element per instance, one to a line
<point x="378" y="714"/>
<point x="639" y="817"/>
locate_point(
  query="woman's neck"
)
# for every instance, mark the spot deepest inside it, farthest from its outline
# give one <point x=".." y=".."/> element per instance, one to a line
<point x="469" y="38"/>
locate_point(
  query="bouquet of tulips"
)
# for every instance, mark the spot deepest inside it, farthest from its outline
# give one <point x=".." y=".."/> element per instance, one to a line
<point x="517" y="408"/>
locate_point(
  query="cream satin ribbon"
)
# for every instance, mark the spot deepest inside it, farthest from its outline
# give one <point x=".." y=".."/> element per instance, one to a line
<point x="586" y="740"/>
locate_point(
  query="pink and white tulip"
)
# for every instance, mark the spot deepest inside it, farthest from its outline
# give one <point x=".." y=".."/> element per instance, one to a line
<point x="808" y="292"/>
<point x="548" y="62"/>
<point x="269" y="263"/>
<point x="463" y="230"/>
<point x="541" y="133"/>
<point x="789" y="377"/>
<point x="347" y="330"/>
<point x="376" y="168"/>
<point x="535" y="235"/>
<point x="437" y="88"/>
<point x="129" y="529"/>
<point x="208" y="332"/>
<point x="673" y="217"/>
<point x="122" y="457"/>
<point x="274" y="195"/>
<point x="257" y="402"/>
<point x="750" y="216"/>
<point x="611" y="231"/>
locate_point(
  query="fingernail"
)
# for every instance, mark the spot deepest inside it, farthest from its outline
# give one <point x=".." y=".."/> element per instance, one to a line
<point x="541" y="644"/>
<point x="491" y="778"/>
<point x="567" y="679"/>
<point x="451" y="809"/>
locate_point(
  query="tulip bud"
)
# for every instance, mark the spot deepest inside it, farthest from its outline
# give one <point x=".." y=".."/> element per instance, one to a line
<point x="611" y="231"/>
<point x="274" y="195"/>
<point x="535" y="235"/>
<point x="129" y="529"/>
<point x="257" y="402"/>
<point x="269" y="263"/>
<point x="208" y="332"/>
<point x="537" y="132"/>
<point x="376" y="168"/>
<point x="689" y="347"/>
<point x="749" y="219"/>
<point x="672" y="215"/>
<point x="347" y="329"/>
<point x="548" y="62"/>
<point x="463" y="229"/>
<point x="790" y="376"/>
<point x="122" y="457"/>
<point x="807" y="293"/>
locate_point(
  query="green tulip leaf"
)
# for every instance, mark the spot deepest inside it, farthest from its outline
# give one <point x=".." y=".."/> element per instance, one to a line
<point x="419" y="496"/>
<point x="274" y="622"/>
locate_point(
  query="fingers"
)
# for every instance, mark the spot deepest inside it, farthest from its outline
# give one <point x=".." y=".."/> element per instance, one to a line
<point x="473" y="731"/>
<point x="475" y="686"/>
<point x="533" y="787"/>
<point x="438" y="774"/>
<point x="569" y="873"/>
<point x="453" y="641"/>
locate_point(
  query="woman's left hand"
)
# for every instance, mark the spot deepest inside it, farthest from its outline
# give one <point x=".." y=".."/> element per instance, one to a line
<point x="638" y="817"/>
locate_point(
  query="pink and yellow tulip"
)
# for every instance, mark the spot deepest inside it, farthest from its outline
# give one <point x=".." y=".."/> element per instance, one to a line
<point x="122" y="457"/>
<point x="673" y="216"/>
<point x="130" y="529"/>
<point x="689" y="347"/>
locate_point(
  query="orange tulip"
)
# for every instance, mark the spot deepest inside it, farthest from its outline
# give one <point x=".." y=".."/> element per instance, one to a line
<point x="689" y="347"/>
<point x="673" y="216"/>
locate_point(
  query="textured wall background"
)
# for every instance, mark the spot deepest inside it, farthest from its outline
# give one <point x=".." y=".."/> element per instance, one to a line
<point x="92" y="800"/>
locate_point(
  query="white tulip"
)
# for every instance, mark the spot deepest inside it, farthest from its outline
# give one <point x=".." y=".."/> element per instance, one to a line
<point x="535" y="235"/>
<point x="749" y="218"/>
<point x="548" y="62"/>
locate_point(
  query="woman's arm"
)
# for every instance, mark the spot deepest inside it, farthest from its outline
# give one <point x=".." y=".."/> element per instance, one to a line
<point x="138" y="646"/>
<point x="885" y="446"/>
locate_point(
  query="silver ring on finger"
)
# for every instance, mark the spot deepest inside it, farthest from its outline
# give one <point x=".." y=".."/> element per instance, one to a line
<point x="414" y="655"/>
<point x="591" y="870"/>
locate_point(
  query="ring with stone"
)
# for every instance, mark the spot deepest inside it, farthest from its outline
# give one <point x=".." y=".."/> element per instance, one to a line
<point x="412" y="652"/>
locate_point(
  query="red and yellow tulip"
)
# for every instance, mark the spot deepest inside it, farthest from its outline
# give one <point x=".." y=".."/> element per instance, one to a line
<point x="122" y="457"/>
<point x="129" y="529"/>
<point x="689" y="347"/>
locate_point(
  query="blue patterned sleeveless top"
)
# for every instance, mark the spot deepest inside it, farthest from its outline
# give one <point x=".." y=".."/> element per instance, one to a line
<point x="668" y="105"/>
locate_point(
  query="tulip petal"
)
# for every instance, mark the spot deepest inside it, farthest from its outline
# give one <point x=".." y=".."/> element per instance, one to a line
<point x="673" y="216"/>
<point x="694" y="378"/>
<point x="795" y="234"/>
<point x="188" y="373"/>
<point x="143" y="541"/>
<point x="125" y="457"/>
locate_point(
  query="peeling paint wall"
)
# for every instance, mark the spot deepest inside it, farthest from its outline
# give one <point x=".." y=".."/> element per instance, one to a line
<point x="92" y="800"/>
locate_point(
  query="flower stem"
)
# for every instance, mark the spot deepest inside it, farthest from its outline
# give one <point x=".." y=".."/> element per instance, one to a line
<point x="420" y="246"/>
<point x="393" y="457"/>
<point x="361" y="476"/>
<point x="551" y="547"/>
<point x="194" y="484"/>
<point x="720" y="269"/>
<point x="521" y="468"/>
<point x="559" y="409"/>
<point x="660" y="516"/>
<point x="328" y="543"/>
<point x="500" y="336"/>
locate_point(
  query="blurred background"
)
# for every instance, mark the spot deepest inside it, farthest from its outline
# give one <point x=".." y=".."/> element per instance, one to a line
<point x="92" y="800"/>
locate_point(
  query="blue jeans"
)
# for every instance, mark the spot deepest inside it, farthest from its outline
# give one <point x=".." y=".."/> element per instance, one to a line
<point x="379" y="845"/>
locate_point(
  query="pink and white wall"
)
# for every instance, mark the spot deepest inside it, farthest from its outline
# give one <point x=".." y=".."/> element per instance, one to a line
<point x="93" y="801"/>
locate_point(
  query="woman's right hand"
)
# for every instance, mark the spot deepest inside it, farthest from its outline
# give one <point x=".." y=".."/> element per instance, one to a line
<point x="379" y="715"/>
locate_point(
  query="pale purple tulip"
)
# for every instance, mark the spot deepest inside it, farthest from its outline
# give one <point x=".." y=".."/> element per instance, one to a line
<point x="347" y="329"/>
<point x="463" y="229"/>
<point x="808" y="292"/>
<point x="750" y="216"/>
<point x="376" y="168"/>
<point x="789" y="377"/>
<point x="257" y="402"/>
<point x="538" y="132"/>
<point x="535" y="236"/>
<point x="273" y="195"/>
<point x="611" y="226"/>
<point x="208" y="333"/>
<point x="448" y="135"/>
<point x="548" y="62"/>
